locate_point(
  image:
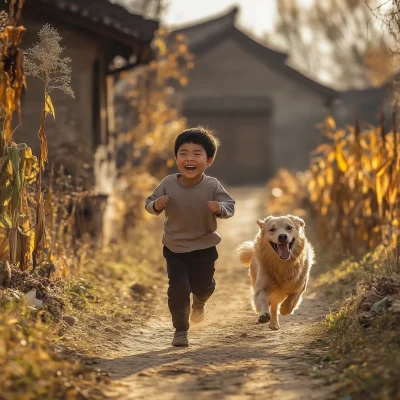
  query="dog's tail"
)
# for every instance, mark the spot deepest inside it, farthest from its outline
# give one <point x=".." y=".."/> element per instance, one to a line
<point x="245" y="252"/>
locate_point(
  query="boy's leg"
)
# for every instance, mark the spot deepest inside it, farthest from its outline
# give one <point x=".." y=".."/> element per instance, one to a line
<point x="201" y="276"/>
<point x="179" y="288"/>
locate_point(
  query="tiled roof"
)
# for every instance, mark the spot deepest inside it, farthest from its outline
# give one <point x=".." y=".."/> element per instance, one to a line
<point x="206" y="34"/>
<point x="109" y="15"/>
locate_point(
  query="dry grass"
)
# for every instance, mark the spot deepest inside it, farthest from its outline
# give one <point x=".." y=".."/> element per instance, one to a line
<point x="110" y="294"/>
<point x="361" y="355"/>
<point x="31" y="367"/>
<point x="114" y="291"/>
<point x="362" y="362"/>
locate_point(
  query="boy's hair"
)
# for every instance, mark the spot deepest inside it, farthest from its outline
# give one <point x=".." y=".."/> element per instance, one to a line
<point x="199" y="135"/>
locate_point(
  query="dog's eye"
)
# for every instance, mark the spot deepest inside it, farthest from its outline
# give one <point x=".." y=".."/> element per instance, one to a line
<point x="289" y="228"/>
<point x="272" y="230"/>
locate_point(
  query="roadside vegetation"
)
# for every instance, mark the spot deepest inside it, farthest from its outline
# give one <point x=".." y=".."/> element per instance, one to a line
<point x="351" y="200"/>
<point x="64" y="296"/>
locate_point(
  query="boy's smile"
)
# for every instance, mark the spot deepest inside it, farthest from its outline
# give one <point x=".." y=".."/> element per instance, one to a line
<point x="192" y="161"/>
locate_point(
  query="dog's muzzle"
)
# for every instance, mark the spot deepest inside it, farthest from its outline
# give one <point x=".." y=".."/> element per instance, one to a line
<point x="283" y="250"/>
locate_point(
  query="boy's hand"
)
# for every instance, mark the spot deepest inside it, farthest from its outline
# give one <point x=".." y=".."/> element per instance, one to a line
<point x="161" y="202"/>
<point x="215" y="207"/>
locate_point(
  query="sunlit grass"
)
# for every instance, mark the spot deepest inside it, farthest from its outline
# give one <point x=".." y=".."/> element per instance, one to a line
<point x="363" y="361"/>
<point x="104" y="309"/>
<point x="30" y="366"/>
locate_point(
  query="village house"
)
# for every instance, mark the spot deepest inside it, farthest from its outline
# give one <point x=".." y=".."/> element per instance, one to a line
<point x="265" y="112"/>
<point x="94" y="33"/>
<point x="102" y="39"/>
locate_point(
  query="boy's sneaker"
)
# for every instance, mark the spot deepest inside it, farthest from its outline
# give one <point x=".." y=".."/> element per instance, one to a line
<point x="197" y="315"/>
<point x="180" y="339"/>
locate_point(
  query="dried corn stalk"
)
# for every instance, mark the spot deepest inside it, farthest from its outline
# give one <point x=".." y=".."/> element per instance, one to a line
<point x="355" y="186"/>
<point x="12" y="77"/>
<point x="17" y="167"/>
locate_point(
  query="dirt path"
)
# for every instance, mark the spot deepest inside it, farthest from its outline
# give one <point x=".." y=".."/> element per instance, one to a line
<point x="230" y="356"/>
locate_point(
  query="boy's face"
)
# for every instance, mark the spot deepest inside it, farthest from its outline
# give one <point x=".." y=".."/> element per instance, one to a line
<point x="192" y="160"/>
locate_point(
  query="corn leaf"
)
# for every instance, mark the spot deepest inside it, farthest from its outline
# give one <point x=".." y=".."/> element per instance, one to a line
<point x="341" y="162"/>
<point x="5" y="221"/>
<point x="5" y="193"/>
<point x="382" y="168"/>
<point x="49" y="107"/>
<point x="43" y="142"/>
<point x="330" y="122"/>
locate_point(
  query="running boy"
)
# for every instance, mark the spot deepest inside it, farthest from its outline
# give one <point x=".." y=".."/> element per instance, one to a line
<point x="192" y="201"/>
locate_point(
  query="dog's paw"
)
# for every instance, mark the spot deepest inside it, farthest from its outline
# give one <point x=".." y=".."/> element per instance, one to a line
<point x="274" y="325"/>
<point x="264" y="318"/>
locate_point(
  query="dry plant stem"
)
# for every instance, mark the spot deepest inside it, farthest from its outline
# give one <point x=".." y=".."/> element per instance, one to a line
<point x="2" y="135"/>
<point x="43" y="142"/>
<point x="15" y="21"/>
<point x="11" y="11"/>
<point x="19" y="12"/>
<point x="40" y="232"/>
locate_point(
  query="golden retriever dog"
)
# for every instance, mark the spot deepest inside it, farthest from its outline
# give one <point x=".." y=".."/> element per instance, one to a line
<point x="280" y="259"/>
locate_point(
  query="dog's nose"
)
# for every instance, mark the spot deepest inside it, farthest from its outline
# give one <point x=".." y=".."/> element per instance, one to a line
<point x="282" y="238"/>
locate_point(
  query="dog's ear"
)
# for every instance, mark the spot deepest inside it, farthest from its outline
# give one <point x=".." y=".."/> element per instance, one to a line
<point x="297" y="221"/>
<point x="261" y="222"/>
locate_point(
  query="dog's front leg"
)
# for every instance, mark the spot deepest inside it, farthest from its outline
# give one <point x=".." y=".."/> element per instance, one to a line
<point x="274" y="323"/>
<point x="291" y="302"/>
<point x="262" y="306"/>
<point x="274" y="300"/>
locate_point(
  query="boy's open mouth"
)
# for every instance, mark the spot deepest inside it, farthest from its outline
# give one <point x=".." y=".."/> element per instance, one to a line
<point x="190" y="168"/>
<point x="283" y="249"/>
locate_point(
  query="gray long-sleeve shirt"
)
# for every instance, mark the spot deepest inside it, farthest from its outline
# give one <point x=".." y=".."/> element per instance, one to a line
<point x="189" y="225"/>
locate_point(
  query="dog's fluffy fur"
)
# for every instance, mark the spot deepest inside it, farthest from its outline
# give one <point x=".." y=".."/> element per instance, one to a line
<point x="280" y="259"/>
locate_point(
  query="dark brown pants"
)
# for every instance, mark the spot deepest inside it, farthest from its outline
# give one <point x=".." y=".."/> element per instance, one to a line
<point x="191" y="272"/>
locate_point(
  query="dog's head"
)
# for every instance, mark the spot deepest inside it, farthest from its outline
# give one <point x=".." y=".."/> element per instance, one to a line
<point x="281" y="233"/>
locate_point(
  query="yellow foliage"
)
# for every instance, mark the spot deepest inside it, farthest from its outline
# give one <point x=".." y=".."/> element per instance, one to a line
<point x="355" y="189"/>
<point x="12" y="78"/>
<point x="49" y="108"/>
<point x="157" y="105"/>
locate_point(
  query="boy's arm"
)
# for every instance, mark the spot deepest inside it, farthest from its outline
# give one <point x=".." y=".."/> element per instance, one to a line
<point x="226" y="201"/>
<point x="150" y="201"/>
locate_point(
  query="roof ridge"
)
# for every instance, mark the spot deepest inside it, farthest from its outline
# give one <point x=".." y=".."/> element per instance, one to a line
<point x="206" y="34"/>
<point x="115" y="16"/>
<point x="252" y="40"/>
<point x="278" y="60"/>
<point x="205" y="21"/>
